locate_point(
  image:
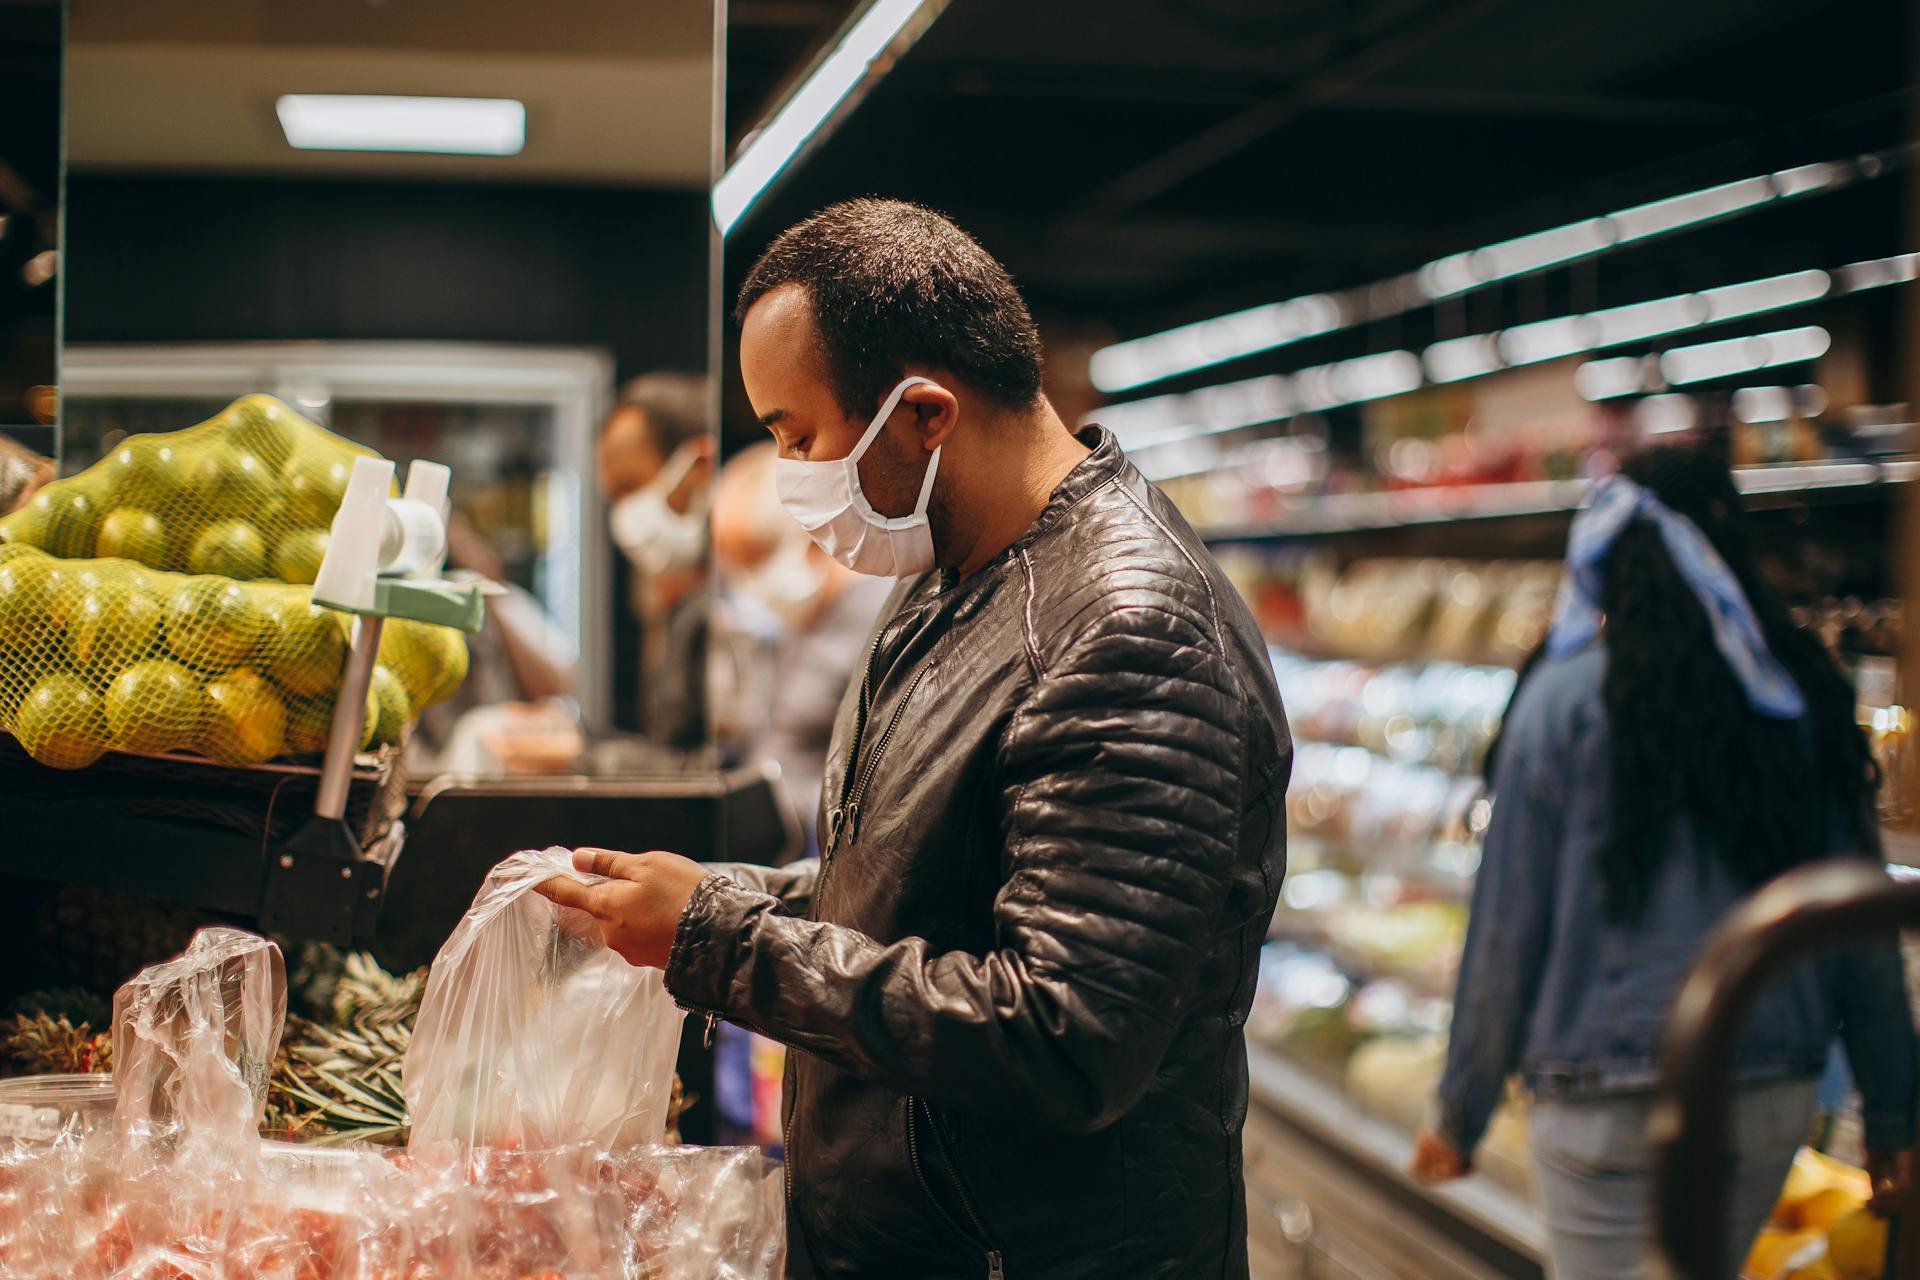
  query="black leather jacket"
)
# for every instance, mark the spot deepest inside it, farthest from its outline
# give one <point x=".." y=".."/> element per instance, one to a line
<point x="1014" y="984"/>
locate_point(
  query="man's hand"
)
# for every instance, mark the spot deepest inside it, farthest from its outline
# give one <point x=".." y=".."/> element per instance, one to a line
<point x="638" y="907"/>
<point x="1435" y="1159"/>
<point x="1892" y="1174"/>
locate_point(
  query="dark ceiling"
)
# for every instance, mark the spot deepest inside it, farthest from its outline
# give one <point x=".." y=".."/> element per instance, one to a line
<point x="1140" y="163"/>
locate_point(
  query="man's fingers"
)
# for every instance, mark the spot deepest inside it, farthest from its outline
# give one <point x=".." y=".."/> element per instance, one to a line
<point x="567" y="892"/>
<point x="600" y="862"/>
<point x="611" y="864"/>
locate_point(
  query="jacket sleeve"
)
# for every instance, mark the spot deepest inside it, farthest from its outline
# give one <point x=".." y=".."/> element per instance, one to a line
<point x="1506" y="942"/>
<point x="791" y="885"/>
<point x="1876" y="1026"/>
<point x="1122" y="796"/>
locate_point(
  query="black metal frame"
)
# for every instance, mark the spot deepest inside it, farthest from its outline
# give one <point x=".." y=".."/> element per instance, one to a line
<point x="1803" y="910"/>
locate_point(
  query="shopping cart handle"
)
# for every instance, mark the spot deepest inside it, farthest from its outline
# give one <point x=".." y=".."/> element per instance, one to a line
<point x="1821" y="903"/>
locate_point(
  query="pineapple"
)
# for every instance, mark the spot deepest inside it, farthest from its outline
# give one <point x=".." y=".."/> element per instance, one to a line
<point x="341" y="1081"/>
<point x="36" y="1044"/>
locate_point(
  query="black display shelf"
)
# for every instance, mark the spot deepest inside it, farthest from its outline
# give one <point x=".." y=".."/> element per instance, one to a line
<point x="405" y="888"/>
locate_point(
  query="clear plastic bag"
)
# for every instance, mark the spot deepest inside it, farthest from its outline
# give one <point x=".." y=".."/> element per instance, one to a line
<point x="193" y="1041"/>
<point x="711" y="1213"/>
<point x="533" y="1034"/>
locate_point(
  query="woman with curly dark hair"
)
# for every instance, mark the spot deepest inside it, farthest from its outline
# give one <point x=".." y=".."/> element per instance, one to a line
<point x="1677" y="743"/>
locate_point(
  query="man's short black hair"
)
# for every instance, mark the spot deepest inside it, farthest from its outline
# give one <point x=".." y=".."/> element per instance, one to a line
<point x="893" y="284"/>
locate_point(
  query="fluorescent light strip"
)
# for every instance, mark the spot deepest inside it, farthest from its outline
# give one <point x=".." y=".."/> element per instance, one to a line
<point x="1211" y="342"/>
<point x="1880" y="272"/>
<point x="1140" y="361"/>
<point x="1570" y="335"/>
<point x="1710" y="360"/>
<point x="1160" y="420"/>
<point x="868" y="36"/>
<point x="1608" y="379"/>
<point x="372" y="122"/>
<point x="1777" y="404"/>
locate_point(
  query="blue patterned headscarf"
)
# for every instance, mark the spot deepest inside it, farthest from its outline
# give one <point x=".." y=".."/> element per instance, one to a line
<point x="1615" y="503"/>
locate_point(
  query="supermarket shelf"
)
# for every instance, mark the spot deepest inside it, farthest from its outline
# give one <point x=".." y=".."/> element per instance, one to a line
<point x="1363" y="512"/>
<point x="1325" y="1114"/>
<point x="1362" y="970"/>
<point x="327" y="898"/>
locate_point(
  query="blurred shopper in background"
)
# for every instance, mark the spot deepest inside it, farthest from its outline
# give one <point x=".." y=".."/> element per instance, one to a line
<point x="796" y="624"/>
<point x="1676" y="743"/>
<point x="514" y="713"/>
<point x="655" y="462"/>
<point x="22" y="472"/>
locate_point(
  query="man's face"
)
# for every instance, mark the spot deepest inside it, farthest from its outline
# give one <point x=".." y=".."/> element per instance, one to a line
<point x="627" y="460"/>
<point x="784" y="372"/>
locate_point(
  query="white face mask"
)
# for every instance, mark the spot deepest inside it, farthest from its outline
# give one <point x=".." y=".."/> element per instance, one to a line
<point x="655" y="537"/>
<point x="784" y="584"/>
<point x="825" y="497"/>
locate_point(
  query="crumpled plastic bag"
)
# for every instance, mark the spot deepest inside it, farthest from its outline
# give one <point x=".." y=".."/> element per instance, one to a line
<point x="532" y="1033"/>
<point x="193" y="1043"/>
<point x="716" y="1213"/>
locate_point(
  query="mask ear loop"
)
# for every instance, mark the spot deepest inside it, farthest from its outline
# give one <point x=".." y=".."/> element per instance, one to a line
<point x="887" y="407"/>
<point x="678" y="464"/>
<point x="926" y="486"/>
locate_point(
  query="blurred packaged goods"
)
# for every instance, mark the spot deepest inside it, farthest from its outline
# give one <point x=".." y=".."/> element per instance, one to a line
<point x="1820" y="1226"/>
<point x="1474" y="611"/>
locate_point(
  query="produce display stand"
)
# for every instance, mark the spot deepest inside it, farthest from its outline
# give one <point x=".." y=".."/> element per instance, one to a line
<point x="205" y="835"/>
<point x="459" y="827"/>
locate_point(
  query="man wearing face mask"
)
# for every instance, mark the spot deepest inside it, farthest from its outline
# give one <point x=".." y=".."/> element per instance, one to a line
<point x="793" y="622"/>
<point x="655" y="464"/>
<point x="1053" y="831"/>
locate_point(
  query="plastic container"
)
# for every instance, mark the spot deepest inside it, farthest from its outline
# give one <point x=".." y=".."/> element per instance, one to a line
<point x="38" y="1109"/>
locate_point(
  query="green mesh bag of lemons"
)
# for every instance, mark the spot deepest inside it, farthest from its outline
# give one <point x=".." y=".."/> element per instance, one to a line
<point x="158" y="602"/>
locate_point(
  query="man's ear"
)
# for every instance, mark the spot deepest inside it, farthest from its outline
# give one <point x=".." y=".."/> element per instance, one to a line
<point x="936" y="412"/>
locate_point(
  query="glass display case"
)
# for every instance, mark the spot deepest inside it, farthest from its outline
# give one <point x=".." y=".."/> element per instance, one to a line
<point x="516" y="425"/>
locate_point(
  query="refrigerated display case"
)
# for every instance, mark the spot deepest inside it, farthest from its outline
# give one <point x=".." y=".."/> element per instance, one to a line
<point x="516" y="424"/>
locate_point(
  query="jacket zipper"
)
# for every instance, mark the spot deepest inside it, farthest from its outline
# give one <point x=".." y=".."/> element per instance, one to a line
<point x="850" y="825"/>
<point x="838" y="824"/>
<point x="835" y="820"/>
<point x="836" y="817"/>
<point x="978" y="1236"/>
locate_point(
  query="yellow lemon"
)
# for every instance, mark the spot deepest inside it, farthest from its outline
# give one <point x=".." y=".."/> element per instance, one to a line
<point x="60" y="723"/>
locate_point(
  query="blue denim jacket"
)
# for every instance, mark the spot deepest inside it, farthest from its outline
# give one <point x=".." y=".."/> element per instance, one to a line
<point x="1550" y="988"/>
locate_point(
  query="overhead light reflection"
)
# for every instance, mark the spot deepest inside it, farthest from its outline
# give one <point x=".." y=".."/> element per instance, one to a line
<point x="777" y="142"/>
